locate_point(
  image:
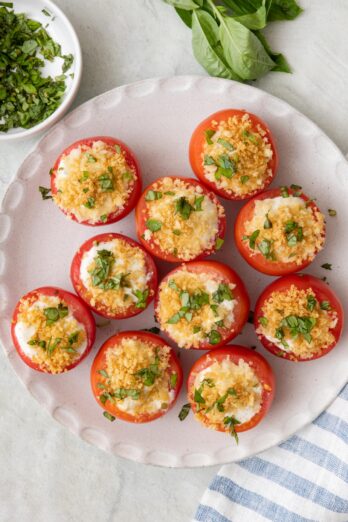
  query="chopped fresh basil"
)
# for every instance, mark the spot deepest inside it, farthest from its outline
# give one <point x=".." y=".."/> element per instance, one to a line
<point x="185" y="410"/>
<point x="150" y="373"/>
<point x="172" y="284"/>
<point x="325" y="305"/>
<point x="184" y="208"/>
<point x="219" y="242"/>
<point x="174" y="319"/>
<point x="45" y="192"/>
<point x="198" y="396"/>
<point x="104" y="218"/>
<point x="106" y="182"/>
<point x="53" y="314"/>
<point x="117" y="148"/>
<point x="244" y="179"/>
<point x="209" y="133"/>
<point x="142" y="298"/>
<point x="176" y="232"/>
<point x="108" y="416"/>
<point x="252" y="238"/>
<point x="251" y="137"/>
<point x="153" y="224"/>
<point x="267" y="223"/>
<point x="263" y="321"/>
<point x="220" y="402"/>
<point x="90" y="203"/>
<point x="91" y="158"/>
<point x="122" y="393"/>
<point x="173" y="379"/>
<point x="103" y="373"/>
<point x="214" y="337"/>
<point x="284" y="192"/>
<point x="223" y="293"/>
<point x="153" y="195"/>
<point x="327" y="266"/>
<point x="231" y="422"/>
<point x="332" y="212"/>
<point x="198" y="203"/>
<point x="226" y="144"/>
<point x="311" y="302"/>
<point x="265" y="248"/>
<point x="209" y="160"/>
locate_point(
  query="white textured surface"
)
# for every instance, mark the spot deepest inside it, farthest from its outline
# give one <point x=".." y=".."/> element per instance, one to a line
<point x="44" y="467"/>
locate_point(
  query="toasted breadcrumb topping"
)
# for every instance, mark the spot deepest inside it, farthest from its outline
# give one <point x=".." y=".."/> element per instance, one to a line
<point x="186" y="219"/>
<point x="297" y="322"/>
<point x="94" y="181"/>
<point x="195" y="307"/>
<point x="236" y="155"/>
<point x="137" y="377"/>
<point x="286" y="230"/>
<point x="227" y="389"/>
<point x="52" y="345"/>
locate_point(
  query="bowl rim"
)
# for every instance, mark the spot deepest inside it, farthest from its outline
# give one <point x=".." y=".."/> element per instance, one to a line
<point x="71" y="94"/>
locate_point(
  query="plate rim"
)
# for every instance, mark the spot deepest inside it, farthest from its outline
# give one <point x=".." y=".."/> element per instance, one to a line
<point x="145" y="457"/>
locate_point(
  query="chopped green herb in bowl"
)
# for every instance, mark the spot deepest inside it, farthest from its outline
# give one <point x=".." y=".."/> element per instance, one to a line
<point x="39" y="73"/>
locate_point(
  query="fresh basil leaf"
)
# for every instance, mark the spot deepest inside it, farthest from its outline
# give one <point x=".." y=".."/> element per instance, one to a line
<point x="185" y="410"/>
<point x="186" y="16"/>
<point x="153" y="224"/>
<point x="255" y="20"/>
<point x="244" y="52"/>
<point x="207" y="48"/>
<point x="283" y="10"/>
<point x="281" y="64"/>
<point x="187" y="5"/>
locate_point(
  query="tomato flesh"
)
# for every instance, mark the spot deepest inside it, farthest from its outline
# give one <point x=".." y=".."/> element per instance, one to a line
<point x="83" y="292"/>
<point x="255" y="258"/>
<point x="141" y="216"/>
<point x="198" y="140"/>
<point x="259" y="365"/>
<point x="241" y="310"/>
<point x="322" y="293"/>
<point x="79" y="311"/>
<point x="117" y="215"/>
<point x="99" y="364"/>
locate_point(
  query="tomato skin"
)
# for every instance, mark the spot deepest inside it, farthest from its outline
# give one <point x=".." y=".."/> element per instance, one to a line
<point x="241" y="310"/>
<point x="81" y="290"/>
<point x="131" y="161"/>
<point x="141" y="217"/>
<point x="198" y="140"/>
<point x="322" y="293"/>
<point x="258" y="363"/>
<point x="255" y="258"/>
<point x="99" y="364"/>
<point x="80" y="312"/>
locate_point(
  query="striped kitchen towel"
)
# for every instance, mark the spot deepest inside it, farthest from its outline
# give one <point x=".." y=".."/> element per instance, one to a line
<point x="304" y="479"/>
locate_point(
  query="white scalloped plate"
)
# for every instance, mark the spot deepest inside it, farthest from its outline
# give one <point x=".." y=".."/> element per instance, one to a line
<point x="156" y="117"/>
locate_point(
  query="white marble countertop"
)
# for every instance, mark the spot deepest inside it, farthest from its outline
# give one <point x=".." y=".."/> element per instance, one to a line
<point x="48" y="475"/>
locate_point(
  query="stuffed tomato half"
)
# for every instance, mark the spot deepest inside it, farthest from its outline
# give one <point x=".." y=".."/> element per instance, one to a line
<point x="178" y="219"/>
<point x="136" y="377"/>
<point x="234" y="154"/>
<point x="298" y="317"/>
<point x="96" y="181"/>
<point x="201" y="305"/>
<point x="231" y="389"/>
<point x="114" y="275"/>
<point x="280" y="231"/>
<point x="52" y="330"/>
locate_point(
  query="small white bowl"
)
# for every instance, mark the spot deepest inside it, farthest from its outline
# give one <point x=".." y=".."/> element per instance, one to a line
<point x="61" y="30"/>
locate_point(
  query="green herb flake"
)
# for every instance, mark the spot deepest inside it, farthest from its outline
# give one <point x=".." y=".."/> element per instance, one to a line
<point x="267" y="224"/>
<point x="311" y="302"/>
<point x="209" y="160"/>
<point x="173" y="379"/>
<point x="219" y="242"/>
<point x="91" y="158"/>
<point x="176" y="232"/>
<point x="141" y="298"/>
<point x="106" y="182"/>
<point x="198" y="398"/>
<point x="327" y="266"/>
<point x="214" y="337"/>
<point x="103" y="218"/>
<point x="185" y="410"/>
<point x="244" y="179"/>
<point x="45" y="193"/>
<point x="90" y="203"/>
<point x="251" y="137"/>
<point x="103" y="373"/>
<point x="154" y="225"/>
<point x="108" y="416"/>
<point x="209" y="133"/>
<point x="263" y="321"/>
<point x="231" y="422"/>
<point x="226" y="144"/>
<point x="184" y="208"/>
<point x="332" y="212"/>
<point x="153" y="195"/>
<point x="198" y="203"/>
<point x="325" y="305"/>
<point x="284" y="192"/>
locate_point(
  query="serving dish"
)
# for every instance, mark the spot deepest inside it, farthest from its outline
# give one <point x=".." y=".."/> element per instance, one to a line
<point x="60" y="29"/>
<point x="37" y="244"/>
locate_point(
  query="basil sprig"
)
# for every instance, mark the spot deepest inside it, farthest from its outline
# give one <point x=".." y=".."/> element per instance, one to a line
<point x="226" y="37"/>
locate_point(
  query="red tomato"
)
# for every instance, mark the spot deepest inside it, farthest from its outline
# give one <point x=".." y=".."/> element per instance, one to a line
<point x="141" y="216"/>
<point x="99" y="364"/>
<point x="84" y="293"/>
<point x="198" y="140"/>
<point x="261" y="368"/>
<point x="322" y="293"/>
<point x="79" y="311"/>
<point x="254" y="257"/>
<point x="117" y="215"/>
<point x="241" y="309"/>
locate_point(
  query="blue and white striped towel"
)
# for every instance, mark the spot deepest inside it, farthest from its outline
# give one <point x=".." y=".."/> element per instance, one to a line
<point x="304" y="479"/>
